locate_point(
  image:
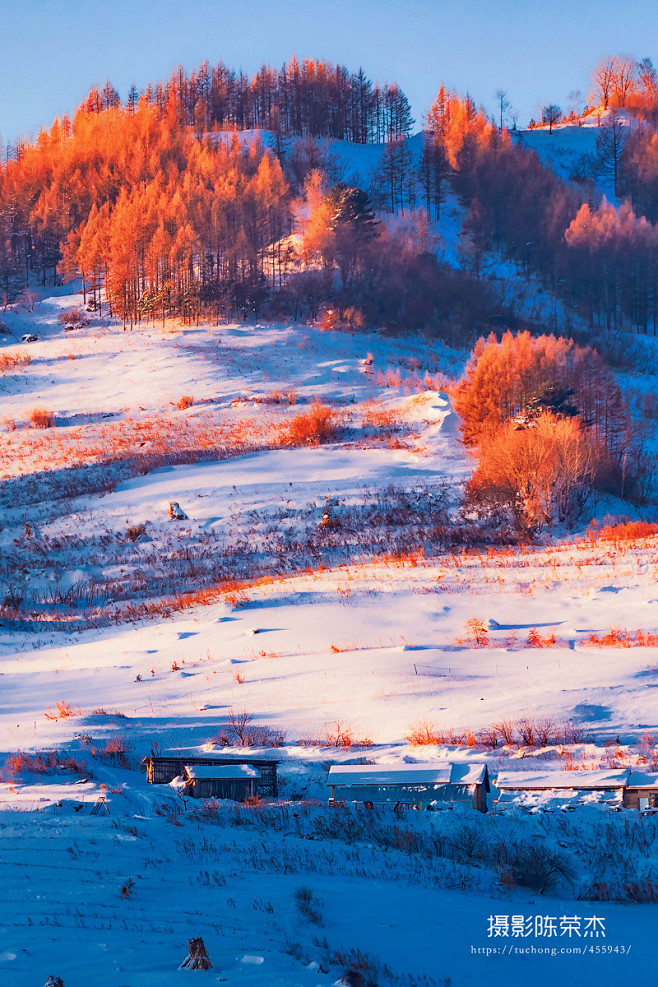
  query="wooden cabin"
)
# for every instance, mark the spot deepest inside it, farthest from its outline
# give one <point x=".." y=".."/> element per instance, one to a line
<point x="641" y="792"/>
<point x="221" y="781"/>
<point x="161" y="770"/>
<point x="546" y="791"/>
<point x="423" y="786"/>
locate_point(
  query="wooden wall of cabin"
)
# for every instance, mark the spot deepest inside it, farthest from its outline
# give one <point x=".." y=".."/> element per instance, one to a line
<point x="632" y="797"/>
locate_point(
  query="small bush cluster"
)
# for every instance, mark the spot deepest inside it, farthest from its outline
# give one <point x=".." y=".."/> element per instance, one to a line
<point x="525" y="732"/>
<point x="28" y="300"/>
<point x="11" y="361"/>
<point x="536" y="640"/>
<point x="62" y="711"/>
<point x="117" y="748"/>
<point x="347" y="318"/>
<point x="336" y="734"/>
<point x="625" y="532"/>
<point x="339" y="735"/>
<point x="135" y="532"/>
<point x="618" y="638"/>
<point x="42" y="418"/>
<point x="74" y="317"/>
<point x="312" y="427"/>
<point x="241" y="731"/>
<point x="44" y="763"/>
<point x="308" y="905"/>
<point x="532" y="865"/>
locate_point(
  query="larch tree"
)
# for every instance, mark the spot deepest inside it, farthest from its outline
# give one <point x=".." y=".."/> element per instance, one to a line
<point x="551" y="114"/>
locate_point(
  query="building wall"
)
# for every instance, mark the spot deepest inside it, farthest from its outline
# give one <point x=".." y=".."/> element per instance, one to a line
<point x="237" y="789"/>
<point x="472" y="796"/>
<point x="632" y="797"/>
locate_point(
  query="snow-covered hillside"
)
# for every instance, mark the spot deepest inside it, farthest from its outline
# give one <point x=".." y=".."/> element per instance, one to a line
<point x="561" y="149"/>
<point x="310" y="589"/>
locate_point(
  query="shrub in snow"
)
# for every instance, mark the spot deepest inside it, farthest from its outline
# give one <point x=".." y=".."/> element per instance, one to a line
<point x="42" y="418"/>
<point x="116" y="748"/>
<point x="11" y="361"/>
<point x="308" y="904"/>
<point x="339" y="735"/>
<point x="137" y="532"/>
<point x="127" y="889"/>
<point x="74" y="317"/>
<point x="242" y="732"/>
<point x="533" y="866"/>
<point x="62" y="711"/>
<point x="312" y="427"/>
<point x="28" y="300"/>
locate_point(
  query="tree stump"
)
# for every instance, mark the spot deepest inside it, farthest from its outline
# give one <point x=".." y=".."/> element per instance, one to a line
<point x="197" y="958"/>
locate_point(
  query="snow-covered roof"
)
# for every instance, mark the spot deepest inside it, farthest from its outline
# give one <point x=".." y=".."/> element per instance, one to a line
<point x="553" y="799"/>
<point x="643" y="779"/>
<point x="576" y="780"/>
<point x="448" y="773"/>
<point x="222" y="772"/>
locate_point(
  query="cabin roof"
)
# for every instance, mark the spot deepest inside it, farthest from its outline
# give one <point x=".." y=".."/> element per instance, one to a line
<point x="576" y="780"/>
<point x="643" y="779"/>
<point x="221" y="772"/>
<point x="552" y="799"/>
<point x="204" y="759"/>
<point x="433" y="773"/>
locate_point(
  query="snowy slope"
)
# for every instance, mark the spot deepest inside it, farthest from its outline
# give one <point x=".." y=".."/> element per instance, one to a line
<point x="368" y="644"/>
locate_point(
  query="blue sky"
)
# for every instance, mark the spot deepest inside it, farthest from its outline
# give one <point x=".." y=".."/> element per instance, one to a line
<point x="54" y="50"/>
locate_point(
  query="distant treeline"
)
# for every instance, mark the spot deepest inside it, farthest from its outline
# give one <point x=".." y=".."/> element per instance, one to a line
<point x="307" y="97"/>
<point x="158" y="202"/>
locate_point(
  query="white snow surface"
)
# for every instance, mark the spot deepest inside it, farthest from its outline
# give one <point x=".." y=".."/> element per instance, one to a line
<point x="562" y="779"/>
<point x="433" y="773"/>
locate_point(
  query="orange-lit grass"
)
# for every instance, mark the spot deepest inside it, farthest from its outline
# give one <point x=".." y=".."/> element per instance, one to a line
<point x="409" y="383"/>
<point x="36" y="764"/>
<point x="630" y="531"/>
<point x="161" y="435"/>
<point x="535" y="639"/>
<point x="12" y="361"/>
<point x="312" y="427"/>
<point x="423" y="733"/>
<point x="347" y="646"/>
<point x="377" y="416"/>
<point x="42" y="763"/>
<point x="42" y="418"/>
<point x="621" y="638"/>
<point x="63" y="710"/>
